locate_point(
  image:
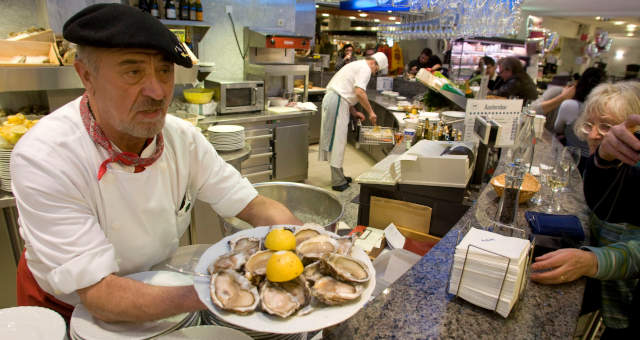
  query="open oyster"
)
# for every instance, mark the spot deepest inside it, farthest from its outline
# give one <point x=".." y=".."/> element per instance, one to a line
<point x="284" y="298"/>
<point x="345" y="268"/>
<point x="306" y="232"/>
<point x="313" y="272"/>
<point x="314" y="248"/>
<point x="229" y="261"/>
<point x="247" y="245"/>
<point x="334" y="292"/>
<point x="256" y="266"/>
<point x="233" y="292"/>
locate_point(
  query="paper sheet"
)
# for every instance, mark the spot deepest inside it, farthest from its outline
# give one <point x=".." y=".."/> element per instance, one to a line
<point x="394" y="238"/>
<point x="504" y="111"/>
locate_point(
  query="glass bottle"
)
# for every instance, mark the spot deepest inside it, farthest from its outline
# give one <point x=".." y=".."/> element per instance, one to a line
<point x="170" y="10"/>
<point x="525" y="142"/>
<point x="193" y="15"/>
<point x="184" y="10"/>
<point x="199" y="15"/>
<point x="155" y="11"/>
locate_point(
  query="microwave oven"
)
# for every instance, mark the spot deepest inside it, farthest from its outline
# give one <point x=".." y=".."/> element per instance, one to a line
<point x="236" y="96"/>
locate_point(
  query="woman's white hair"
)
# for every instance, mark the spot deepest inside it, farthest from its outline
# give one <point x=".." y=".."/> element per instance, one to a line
<point x="615" y="101"/>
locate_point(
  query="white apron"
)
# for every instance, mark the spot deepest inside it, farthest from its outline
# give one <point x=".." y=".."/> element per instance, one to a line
<point x="333" y="129"/>
<point x="141" y="217"/>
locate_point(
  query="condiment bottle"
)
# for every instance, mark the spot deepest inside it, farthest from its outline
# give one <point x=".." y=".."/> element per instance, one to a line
<point x="170" y="10"/>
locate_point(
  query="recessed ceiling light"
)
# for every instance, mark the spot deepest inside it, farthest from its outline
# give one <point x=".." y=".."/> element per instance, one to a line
<point x="619" y="54"/>
<point x="631" y="27"/>
<point x="398" y="22"/>
<point x="376" y="20"/>
<point x="363" y="15"/>
<point x="352" y="17"/>
<point x="325" y="14"/>
<point x="358" y="28"/>
<point x="388" y="11"/>
<point x="598" y="18"/>
<point x="317" y="6"/>
<point x="629" y="34"/>
<point x="392" y="18"/>
<point x="618" y="23"/>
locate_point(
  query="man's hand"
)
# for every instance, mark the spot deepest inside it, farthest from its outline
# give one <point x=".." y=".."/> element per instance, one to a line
<point x="373" y="118"/>
<point x="568" y="92"/>
<point x="566" y="265"/>
<point x="357" y="115"/>
<point x="620" y="143"/>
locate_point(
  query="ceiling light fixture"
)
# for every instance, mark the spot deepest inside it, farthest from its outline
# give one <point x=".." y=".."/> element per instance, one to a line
<point x="619" y="54"/>
<point x="392" y="18"/>
<point x="398" y="22"/>
<point x="376" y="20"/>
<point x="629" y="34"/>
<point x="631" y="27"/>
<point x="618" y="23"/>
<point x="325" y="14"/>
<point x="363" y="15"/>
<point x="598" y="18"/>
<point x="352" y="18"/>
<point x="388" y="11"/>
<point x="358" y="28"/>
<point x="317" y="6"/>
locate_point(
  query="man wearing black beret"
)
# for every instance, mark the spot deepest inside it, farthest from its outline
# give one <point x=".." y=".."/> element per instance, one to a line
<point x="104" y="185"/>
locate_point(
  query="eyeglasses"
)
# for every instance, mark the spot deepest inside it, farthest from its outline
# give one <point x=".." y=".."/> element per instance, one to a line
<point x="602" y="128"/>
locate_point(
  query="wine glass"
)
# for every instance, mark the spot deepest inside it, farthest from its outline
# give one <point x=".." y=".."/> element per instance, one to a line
<point x="557" y="178"/>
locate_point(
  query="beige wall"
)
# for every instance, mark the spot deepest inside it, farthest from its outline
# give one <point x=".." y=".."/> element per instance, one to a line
<point x="631" y="48"/>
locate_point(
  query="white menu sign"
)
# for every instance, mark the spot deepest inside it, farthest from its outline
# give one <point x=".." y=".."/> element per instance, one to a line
<point x="505" y="112"/>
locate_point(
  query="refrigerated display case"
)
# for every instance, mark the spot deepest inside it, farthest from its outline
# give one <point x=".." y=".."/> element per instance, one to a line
<point x="465" y="54"/>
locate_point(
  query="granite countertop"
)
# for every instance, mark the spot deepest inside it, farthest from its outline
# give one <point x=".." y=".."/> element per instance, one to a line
<point x="417" y="306"/>
<point x="259" y="116"/>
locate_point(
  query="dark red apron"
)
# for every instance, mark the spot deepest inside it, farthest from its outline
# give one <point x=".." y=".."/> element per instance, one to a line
<point x="29" y="292"/>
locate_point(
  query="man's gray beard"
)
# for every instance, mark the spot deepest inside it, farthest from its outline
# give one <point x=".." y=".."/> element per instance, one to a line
<point x="143" y="130"/>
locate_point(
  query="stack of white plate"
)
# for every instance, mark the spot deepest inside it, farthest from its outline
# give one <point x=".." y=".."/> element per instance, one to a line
<point x="84" y="326"/>
<point x="5" y="174"/>
<point x="206" y="332"/>
<point x="226" y="137"/>
<point x="485" y="257"/>
<point x="31" y="323"/>
<point x="209" y="318"/>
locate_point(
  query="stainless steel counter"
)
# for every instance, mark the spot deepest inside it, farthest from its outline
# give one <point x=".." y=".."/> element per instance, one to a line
<point x="253" y="117"/>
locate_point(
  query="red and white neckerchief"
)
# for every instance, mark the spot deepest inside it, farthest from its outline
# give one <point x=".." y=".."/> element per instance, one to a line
<point x="125" y="158"/>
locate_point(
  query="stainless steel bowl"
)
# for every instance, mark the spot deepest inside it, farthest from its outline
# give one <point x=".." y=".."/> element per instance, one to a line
<point x="310" y="204"/>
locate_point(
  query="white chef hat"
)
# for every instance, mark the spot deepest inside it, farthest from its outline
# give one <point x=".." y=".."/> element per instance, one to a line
<point x="381" y="60"/>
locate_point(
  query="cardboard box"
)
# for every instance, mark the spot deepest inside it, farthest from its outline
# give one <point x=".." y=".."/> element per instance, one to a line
<point x="412" y="220"/>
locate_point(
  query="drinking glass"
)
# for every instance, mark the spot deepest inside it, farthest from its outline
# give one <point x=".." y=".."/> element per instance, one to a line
<point x="557" y="178"/>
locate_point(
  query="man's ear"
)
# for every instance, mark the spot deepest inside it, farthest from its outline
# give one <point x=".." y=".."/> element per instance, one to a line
<point x="85" y="73"/>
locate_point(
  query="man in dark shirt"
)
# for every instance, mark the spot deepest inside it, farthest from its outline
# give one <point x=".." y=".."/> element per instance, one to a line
<point x="425" y="60"/>
<point x="515" y="82"/>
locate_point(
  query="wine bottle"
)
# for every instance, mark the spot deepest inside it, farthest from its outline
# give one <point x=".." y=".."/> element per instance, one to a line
<point x="155" y="11"/>
<point x="192" y="10"/>
<point x="199" y="15"/>
<point x="143" y="5"/>
<point x="170" y="10"/>
<point x="184" y="9"/>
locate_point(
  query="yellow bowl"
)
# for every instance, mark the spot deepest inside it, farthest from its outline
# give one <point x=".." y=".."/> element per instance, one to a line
<point x="198" y="95"/>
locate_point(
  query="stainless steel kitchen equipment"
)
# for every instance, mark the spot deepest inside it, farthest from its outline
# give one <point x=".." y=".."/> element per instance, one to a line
<point x="235" y="96"/>
<point x="271" y="58"/>
<point x="310" y="204"/>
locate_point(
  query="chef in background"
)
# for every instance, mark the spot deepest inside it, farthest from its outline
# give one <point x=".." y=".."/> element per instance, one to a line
<point x="105" y="185"/>
<point x="346" y="89"/>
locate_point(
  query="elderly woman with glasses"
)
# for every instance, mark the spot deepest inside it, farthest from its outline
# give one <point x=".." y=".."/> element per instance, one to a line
<point x="611" y="188"/>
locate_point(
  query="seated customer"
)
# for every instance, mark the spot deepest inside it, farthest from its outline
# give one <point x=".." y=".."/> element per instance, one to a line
<point x="611" y="183"/>
<point x="489" y="65"/>
<point x="425" y="60"/>
<point x="345" y="56"/>
<point x="570" y="110"/>
<point x="515" y="81"/>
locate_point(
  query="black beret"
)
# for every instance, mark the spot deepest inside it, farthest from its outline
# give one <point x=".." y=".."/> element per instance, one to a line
<point x="120" y="26"/>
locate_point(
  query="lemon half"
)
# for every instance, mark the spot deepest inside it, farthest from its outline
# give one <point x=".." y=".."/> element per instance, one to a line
<point x="280" y="239"/>
<point x="283" y="266"/>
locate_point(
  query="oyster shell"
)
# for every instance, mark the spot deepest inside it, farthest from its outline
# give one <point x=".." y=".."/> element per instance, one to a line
<point x="334" y="292"/>
<point x="306" y="232"/>
<point x="314" y="248"/>
<point x="284" y="298"/>
<point x="256" y="266"/>
<point x="247" y="245"/>
<point x="345" y="268"/>
<point x="313" y="272"/>
<point x="233" y="292"/>
<point x="229" y="261"/>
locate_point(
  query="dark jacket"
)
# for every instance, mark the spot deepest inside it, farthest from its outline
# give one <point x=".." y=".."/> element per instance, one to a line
<point x="433" y="60"/>
<point x="519" y="86"/>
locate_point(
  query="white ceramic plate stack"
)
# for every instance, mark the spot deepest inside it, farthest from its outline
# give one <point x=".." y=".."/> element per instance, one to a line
<point x="31" y="323"/>
<point x="206" y="332"/>
<point x="484" y="279"/>
<point x="226" y="137"/>
<point x="209" y="318"/>
<point x="84" y="326"/>
<point x="5" y="174"/>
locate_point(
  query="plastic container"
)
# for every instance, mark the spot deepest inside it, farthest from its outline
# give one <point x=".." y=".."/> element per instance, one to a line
<point x="390" y="265"/>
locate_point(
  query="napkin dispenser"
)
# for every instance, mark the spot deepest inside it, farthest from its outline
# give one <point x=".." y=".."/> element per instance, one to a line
<point x="436" y="163"/>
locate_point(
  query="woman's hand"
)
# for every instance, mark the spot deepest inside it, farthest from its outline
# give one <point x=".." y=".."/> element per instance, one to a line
<point x="620" y="143"/>
<point x="565" y="265"/>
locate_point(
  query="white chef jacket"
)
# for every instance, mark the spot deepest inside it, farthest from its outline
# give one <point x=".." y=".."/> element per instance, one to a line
<point x="350" y="76"/>
<point x="77" y="230"/>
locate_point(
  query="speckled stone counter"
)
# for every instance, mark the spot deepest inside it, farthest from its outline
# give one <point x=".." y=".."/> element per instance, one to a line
<point x="417" y="306"/>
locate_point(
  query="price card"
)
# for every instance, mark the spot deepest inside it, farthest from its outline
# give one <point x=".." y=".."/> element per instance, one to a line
<point x="505" y="112"/>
